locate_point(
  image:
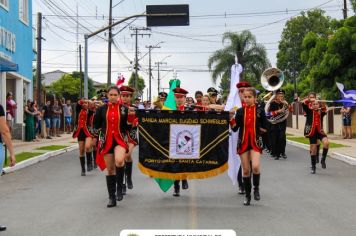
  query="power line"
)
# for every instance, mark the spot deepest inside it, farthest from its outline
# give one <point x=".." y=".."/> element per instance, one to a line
<point x="118" y="3"/>
<point x="220" y="15"/>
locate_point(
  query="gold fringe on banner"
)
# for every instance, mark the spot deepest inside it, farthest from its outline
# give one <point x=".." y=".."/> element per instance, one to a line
<point x="185" y="175"/>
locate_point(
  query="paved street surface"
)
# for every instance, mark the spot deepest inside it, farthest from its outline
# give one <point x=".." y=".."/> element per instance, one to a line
<point x="51" y="198"/>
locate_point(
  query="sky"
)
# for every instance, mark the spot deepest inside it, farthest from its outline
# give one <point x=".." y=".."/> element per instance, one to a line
<point x="184" y="49"/>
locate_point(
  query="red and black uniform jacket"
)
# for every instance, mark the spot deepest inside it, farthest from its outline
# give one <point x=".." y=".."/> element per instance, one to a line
<point x="249" y="119"/>
<point x="82" y="121"/>
<point x="111" y="122"/>
<point x="314" y="120"/>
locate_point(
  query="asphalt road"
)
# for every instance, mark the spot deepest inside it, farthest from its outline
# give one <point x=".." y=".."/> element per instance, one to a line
<point x="51" y="198"/>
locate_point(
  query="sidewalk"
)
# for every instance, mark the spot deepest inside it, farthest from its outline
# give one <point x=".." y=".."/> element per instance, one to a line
<point x="21" y="146"/>
<point x="346" y="154"/>
<point x="32" y="147"/>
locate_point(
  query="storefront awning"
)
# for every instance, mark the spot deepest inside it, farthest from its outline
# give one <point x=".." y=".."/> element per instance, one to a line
<point x="6" y="65"/>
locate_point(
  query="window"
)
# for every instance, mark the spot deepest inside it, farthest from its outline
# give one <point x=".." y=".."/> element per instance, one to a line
<point x="4" y="4"/>
<point x="23" y="11"/>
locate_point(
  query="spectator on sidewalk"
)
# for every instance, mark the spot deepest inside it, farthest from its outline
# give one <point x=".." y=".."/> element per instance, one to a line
<point x="56" y="119"/>
<point x="6" y="138"/>
<point x="38" y="121"/>
<point x="30" y="121"/>
<point x="138" y="104"/>
<point x="148" y="105"/>
<point x="346" y="121"/>
<point x="67" y="110"/>
<point x="47" y="116"/>
<point x="10" y="110"/>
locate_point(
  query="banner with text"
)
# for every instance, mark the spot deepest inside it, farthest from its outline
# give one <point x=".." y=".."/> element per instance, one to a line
<point x="183" y="144"/>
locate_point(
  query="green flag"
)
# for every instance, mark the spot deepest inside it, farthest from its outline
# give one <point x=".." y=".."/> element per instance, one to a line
<point x="169" y="104"/>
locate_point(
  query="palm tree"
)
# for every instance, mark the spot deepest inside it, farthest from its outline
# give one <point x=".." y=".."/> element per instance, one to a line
<point x="251" y="55"/>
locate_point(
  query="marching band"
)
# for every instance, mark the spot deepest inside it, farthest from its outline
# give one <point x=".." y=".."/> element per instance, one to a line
<point x="107" y="131"/>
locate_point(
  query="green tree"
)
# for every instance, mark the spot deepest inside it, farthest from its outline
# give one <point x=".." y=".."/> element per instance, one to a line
<point x="224" y="87"/>
<point x="330" y="60"/>
<point x="290" y="46"/>
<point x="68" y="86"/>
<point x="140" y="84"/>
<point x="251" y="55"/>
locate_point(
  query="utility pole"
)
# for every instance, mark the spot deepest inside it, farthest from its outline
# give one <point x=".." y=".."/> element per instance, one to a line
<point x="39" y="57"/>
<point x="344" y="10"/>
<point x="77" y="34"/>
<point x="80" y="71"/>
<point x="150" y="47"/>
<point x="137" y="30"/>
<point x="109" y="45"/>
<point x="158" y="76"/>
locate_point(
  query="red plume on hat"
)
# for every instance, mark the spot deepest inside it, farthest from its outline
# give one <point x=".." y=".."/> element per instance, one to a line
<point x="120" y="81"/>
<point x="243" y="84"/>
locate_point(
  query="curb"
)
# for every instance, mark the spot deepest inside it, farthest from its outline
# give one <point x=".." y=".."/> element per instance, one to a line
<point x="338" y="156"/>
<point x="39" y="158"/>
<point x="344" y="158"/>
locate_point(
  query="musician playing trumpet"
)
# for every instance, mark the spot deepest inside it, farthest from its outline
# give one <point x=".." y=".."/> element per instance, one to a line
<point x="277" y="106"/>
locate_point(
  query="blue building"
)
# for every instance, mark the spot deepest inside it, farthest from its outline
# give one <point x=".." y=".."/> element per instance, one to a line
<point x="16" y="56"/>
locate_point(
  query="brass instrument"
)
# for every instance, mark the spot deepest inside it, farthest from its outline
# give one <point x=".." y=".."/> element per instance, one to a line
<point x="272" y="79"/>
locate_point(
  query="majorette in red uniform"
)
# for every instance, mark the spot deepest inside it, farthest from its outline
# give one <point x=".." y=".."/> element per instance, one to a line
<point x="314" y="130"/>
<point x="312" y="96"/>
<point x="179" y="97"/>
<point x="250" y="120"/>
<point x="241" y="86"/>
<point x="131" y="135"/>
<point x="111" y="122"/>
<point x="82" y="132"/>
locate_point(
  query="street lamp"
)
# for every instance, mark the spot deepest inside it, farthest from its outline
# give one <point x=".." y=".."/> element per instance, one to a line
<point x="158" y="64"/>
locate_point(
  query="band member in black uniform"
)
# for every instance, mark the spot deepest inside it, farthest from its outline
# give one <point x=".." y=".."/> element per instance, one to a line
<point x="251" y="121"/>
<point x="278" y="129"/>
<point x="82" y="132"/>
<point x="158" y="104"/>
<point x="266" y="137"/>
<point x="92" y="107"/>
<point x="213" y="94"/>
<point x="314" y="130"/>
<point x="111" y="122"/>
<point x="179" y="96"/>
<point x="126" y="97"/>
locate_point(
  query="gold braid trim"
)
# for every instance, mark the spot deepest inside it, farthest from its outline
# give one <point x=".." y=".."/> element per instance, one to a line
<point x="185" y="175"/>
